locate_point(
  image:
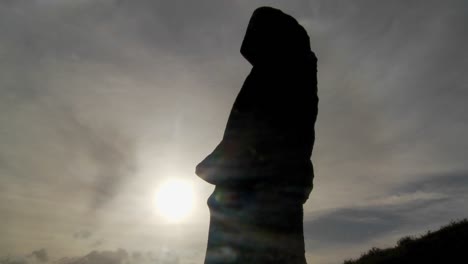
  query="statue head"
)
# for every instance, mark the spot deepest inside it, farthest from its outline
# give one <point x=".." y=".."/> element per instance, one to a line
<point x="273" y="36"/>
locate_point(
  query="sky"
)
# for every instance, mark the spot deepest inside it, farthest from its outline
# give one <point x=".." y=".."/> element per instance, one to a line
<point x="102" y="102"/>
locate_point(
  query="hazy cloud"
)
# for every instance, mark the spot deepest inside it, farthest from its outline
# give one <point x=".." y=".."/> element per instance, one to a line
<point x="451" y="183"/>
<point x="98" y="257"/>
<point x="41" y="255"/>
<point x="82" y="234"/>
<point x="111" y="152"/>
<point x="354" y="226"/>
<point x="118" y="256"/>
<point x="13" y="260"/>
<point x="405" y="208"/>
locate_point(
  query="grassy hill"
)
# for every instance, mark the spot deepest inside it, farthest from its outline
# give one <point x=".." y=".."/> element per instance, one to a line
<point x="449" y="245"/>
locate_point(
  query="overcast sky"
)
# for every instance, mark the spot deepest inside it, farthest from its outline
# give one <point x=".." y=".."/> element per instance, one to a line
<point x="102" y="101"/>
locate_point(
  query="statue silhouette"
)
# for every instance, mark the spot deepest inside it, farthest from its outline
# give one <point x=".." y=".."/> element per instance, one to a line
<point x="262" y="168"/>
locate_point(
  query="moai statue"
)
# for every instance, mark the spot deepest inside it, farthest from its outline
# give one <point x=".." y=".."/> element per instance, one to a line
<point x="262" y="168"/>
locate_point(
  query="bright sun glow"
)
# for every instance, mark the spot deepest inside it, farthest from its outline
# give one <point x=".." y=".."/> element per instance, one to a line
<point x="174" y="200"/>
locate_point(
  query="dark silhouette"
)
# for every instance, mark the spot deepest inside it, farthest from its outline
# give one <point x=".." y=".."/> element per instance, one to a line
<point x="447" y="245"/>
<point x="262" y="168"/>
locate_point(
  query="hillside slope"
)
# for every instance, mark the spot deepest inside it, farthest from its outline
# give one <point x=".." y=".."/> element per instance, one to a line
<point x="447" y="245"/>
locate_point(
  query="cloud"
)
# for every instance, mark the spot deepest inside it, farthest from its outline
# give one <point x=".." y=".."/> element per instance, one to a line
<point x="98" y="257"/>
<point x="391" y="84"/>
<point x="13" y="260"/>
<point x="112" y="153"/>
<point x="37" y="256"/>
<point x="392" y="96"/>
<point x="97" y="243"/>
<point x="349" y="226"/>
<point x="41" y="255"/>
<point x="118" y="256"/>
<point x="405" y="209"/>
<point x="82" y="234"/>
<point x="452" y="183"/>
<point x="360" y="226"/>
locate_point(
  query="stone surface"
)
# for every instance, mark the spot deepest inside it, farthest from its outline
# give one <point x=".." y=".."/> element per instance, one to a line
<point x="261" y="167"/>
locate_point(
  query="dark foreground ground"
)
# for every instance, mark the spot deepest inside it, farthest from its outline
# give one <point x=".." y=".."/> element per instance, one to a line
<point x="447" y="245"/>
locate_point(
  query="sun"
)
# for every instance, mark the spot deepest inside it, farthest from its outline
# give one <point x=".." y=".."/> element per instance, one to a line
<point x="174" y="200"/>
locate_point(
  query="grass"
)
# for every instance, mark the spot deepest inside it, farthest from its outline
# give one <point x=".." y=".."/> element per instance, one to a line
<point x="447" y="245"/>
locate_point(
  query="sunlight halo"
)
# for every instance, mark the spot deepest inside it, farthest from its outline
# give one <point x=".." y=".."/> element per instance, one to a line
<point x="174" y="200"/>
